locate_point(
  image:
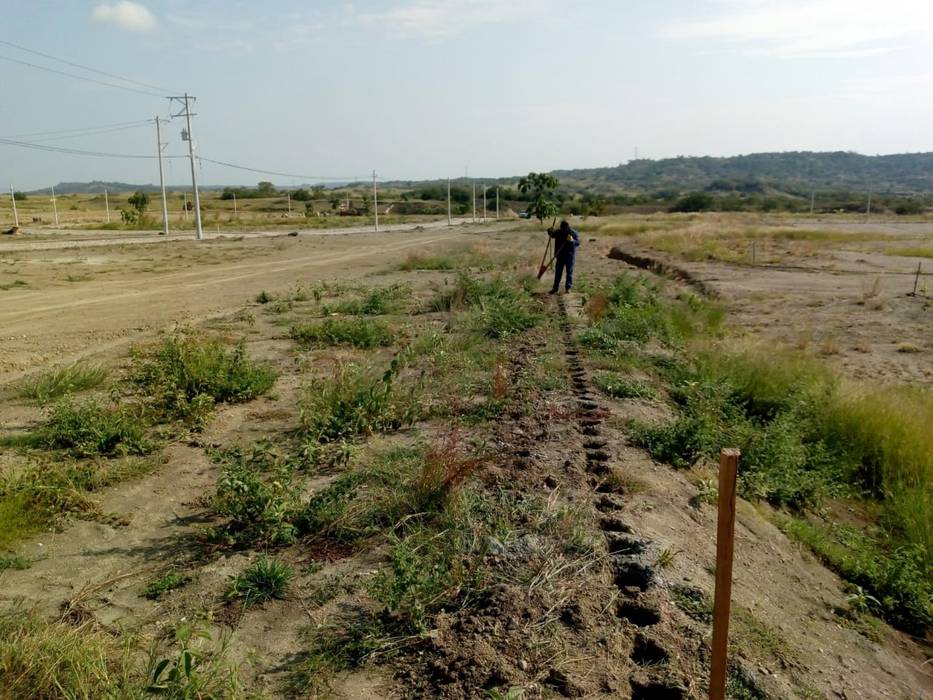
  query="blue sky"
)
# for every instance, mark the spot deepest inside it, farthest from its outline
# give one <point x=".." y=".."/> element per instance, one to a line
<point x="428" y="88"/>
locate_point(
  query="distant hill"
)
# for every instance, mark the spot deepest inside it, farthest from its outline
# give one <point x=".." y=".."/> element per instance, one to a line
<point x="790" y="171"/>
<point x="97" y="187"/>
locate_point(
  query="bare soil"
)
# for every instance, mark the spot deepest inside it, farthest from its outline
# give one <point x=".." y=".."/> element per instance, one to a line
<point x="617" y="631"/>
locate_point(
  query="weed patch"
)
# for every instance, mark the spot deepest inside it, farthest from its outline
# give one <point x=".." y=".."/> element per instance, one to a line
<point x="88" y="429"/>
<point x="165" y="583"/>
<point x="359" y="332"/>
<point x="619" y="386"/>
<point x="187" y="374"/>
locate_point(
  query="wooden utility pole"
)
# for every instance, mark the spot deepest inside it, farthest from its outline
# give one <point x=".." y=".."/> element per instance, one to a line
<point x="725" y="543"/>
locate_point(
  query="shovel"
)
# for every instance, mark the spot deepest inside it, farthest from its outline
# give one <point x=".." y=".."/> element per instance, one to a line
<point x="543" y="267"/>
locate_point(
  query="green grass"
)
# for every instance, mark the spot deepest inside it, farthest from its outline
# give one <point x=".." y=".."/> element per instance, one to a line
<point x="619" y="386"/>
<point x="88" y="429"/>
<point x="892" y="572"/>
<point x="359" y="332"/>
<point x="187" y="374"/>
<point x="13" y="561"/>
<point x="41" y="659"/>
<point x="377" y="301"/>
<point x="265" y="579"/>
<point x="43" y="494"/>
<point x="914" y="252"/>
<point x="355" y="402"/>
<point x="497" y="308"/>
<point x="165" y="583"/>
<point x="638" y="312"/>
<point x="60" y="382"/>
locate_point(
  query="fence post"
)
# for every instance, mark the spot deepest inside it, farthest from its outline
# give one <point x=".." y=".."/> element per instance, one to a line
<point x="725" y="542"/>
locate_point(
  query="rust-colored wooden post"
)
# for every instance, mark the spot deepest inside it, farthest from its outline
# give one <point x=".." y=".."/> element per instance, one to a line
<point x="725" y="542"/>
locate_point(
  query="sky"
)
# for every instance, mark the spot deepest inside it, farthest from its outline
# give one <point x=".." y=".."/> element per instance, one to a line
<point x="441" y="88"/>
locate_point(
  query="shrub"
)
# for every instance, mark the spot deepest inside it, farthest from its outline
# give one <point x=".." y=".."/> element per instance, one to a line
<point x="354" y="402"/>
<point x="87" y="428"/>
<point x="264" y="579"/>
<point x="255" y="491"/>
<point x="65" y="380"/>
<point x="377" y="302"/>
<point x="187" y="374"/>
<point x="358" y="332"/>
<point x="693" y="202"/>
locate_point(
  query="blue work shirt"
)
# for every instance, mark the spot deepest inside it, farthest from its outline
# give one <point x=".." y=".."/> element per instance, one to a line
<point x="565" y="246"/>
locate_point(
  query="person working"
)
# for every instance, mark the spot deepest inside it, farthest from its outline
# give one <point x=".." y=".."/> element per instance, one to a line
<point x="566" y="241"/>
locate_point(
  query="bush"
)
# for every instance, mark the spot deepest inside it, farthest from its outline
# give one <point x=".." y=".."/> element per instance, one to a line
<point x="352" y="403"/>
<point x="377" y="302"/>
<point x="358" y="332"/>
<point x="693" y="202"/>
<point x="256" y="492"/>
<point x="87" y="429"/>
<point x="187" y="374"/>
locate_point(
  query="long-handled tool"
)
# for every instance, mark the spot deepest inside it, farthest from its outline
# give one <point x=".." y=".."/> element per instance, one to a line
<point x="547" y="249"/>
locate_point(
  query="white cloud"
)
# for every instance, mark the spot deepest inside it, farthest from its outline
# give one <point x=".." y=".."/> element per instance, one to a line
<point x="125" y="14"/>
<point x="439" y="19"/>
<point x="808" y="28"/>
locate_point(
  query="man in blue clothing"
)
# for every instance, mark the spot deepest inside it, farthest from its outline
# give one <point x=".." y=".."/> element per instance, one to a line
<point x="566" y="241"/>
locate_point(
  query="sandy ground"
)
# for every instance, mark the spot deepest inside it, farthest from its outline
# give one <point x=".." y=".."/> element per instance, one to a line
<point x="88" y="296"/>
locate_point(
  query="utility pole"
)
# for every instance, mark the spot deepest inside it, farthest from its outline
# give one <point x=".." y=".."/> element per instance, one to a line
<point x="289" y="196"/>
<point x="162" y="181"/>
<point x="15" y="215"/>
<point x="107" y="205"/>
<point x="449" y="219"/>
<point x="474" y="202"/>
<point x="185" y="205"/>
<point x="375" y="203"/>
<point x="484" y="204"/>
<point x="186" y="135"/>
<point x="812" y="200"/>
<point x="497" y="202"/>
<point x="54" y="205"/>
<point x="868" y="209"/>
<point x="234" y="205"/>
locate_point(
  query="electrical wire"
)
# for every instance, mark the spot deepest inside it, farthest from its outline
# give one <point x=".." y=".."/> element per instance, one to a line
<point x="273" y="172"/>
<point x="81" y="77"/>
<point x="87" y="68"/>
<point x="77" y="152"/>
<point x="76" y="129"/>
<point x="82" y="134"/>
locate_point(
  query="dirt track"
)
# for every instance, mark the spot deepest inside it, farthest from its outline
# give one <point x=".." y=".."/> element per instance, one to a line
<point x="87" y="297"/>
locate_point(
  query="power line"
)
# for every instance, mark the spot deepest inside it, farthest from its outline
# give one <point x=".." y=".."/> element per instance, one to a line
<point x="87" y="68"/>
<point x="77" y="152"/>
<point x="71" y="131"/>
<point x="98" y="132"/>
<point x="81" y="77"/>
<point x="273" y="172"/>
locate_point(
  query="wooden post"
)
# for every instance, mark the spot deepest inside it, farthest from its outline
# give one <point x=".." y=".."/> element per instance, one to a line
<point x="917" y="278"/>
<point x="725" y="541"/>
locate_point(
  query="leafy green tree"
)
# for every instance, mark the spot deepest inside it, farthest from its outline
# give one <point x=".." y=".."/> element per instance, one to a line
<point x="19" y="196"/>
<point x="266" y="189"/>
<point x="301" y="195"/>
<point x="693" y="202"/>
<point x="140" y="201"/>
<point x="541" y="190"/>
<point x="335" y="201"/>
<point x="309" y="209"/>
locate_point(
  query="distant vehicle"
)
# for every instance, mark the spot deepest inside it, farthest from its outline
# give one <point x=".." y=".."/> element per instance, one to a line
<point x="524" y="215"/>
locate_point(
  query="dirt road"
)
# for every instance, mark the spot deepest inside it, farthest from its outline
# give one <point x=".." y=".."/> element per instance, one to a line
<point x="65" y="304"/>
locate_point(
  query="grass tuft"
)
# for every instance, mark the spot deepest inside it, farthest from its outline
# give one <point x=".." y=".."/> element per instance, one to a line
<point x="60" y="382"/>
<point x="265" y="579"/>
